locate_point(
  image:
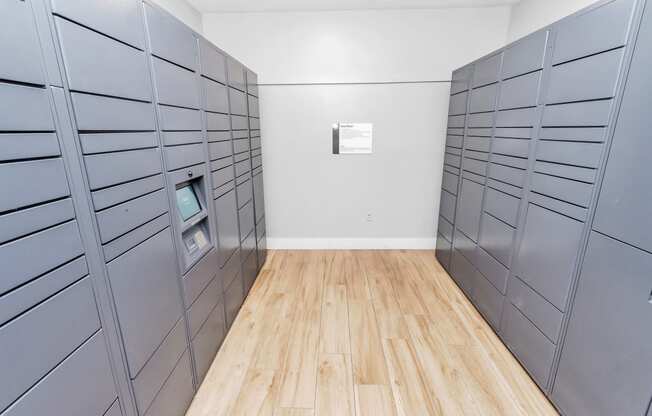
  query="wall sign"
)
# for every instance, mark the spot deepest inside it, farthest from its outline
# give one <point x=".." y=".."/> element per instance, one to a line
<point x="352" y="138"/>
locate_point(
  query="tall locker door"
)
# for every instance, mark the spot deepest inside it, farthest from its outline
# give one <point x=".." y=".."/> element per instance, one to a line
<point x="54" y="355"/>
<point x="606" y="361"/>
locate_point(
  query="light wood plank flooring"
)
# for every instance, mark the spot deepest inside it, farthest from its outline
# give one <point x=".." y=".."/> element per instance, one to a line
<point x="362" y="333"/>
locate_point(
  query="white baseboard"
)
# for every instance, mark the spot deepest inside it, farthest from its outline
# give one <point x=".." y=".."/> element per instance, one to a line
<point x="350" y="243"/>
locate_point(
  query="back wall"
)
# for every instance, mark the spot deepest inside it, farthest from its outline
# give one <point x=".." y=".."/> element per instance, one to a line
<point x="389" y="68"/>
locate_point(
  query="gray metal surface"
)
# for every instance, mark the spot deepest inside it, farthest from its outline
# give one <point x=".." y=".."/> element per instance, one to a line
<point x="606" y="361"/>
<point x="176" y="394"/>
<point x="19" y="40"/>
<point x="213" y="62"/>
<point x="525" y="55"/>
<point x="529" y="344"/>
<point x="625" y="195"/>
<point x="170" y="39"/>
<point x="151" y="378"/>
<point x="227" y="225"/>
<point x="233" y="297"/>
<point x="205" y="303"/>
<point x="97" y="64"/>
<point x="121" y="20"/>
<point x="175" y="85"/>
<point x="65" y="321"/>
<point x="86" y="374"/>
<point x="469" y="209"/>
<point x="548" y="252"/>
<point x="144" y="283"/>
<point x="208" y="340"/>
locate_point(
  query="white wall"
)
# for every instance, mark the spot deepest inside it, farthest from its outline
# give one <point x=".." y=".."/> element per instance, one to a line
<point x="316" y="199"/>
<point x="183" y="11"/>
<point x="530" y="15"/>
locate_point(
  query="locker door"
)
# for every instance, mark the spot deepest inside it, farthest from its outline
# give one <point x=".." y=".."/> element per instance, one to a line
<point x="606" y="361"/>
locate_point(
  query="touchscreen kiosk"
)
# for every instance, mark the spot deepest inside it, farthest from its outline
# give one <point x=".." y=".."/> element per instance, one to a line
<point x="192" y="218"/>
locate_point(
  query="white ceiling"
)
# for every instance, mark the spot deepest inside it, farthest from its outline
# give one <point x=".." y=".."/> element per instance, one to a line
<point x="217" y="6"/>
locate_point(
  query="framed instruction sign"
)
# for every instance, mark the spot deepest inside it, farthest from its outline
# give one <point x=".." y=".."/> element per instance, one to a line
<point x="352" y="138"/>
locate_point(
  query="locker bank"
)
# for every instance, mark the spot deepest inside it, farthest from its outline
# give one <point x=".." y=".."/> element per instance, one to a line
<point x="458" y="208"/>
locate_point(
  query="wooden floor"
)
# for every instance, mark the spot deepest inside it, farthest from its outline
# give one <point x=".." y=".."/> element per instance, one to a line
<point x="362" y="333"/>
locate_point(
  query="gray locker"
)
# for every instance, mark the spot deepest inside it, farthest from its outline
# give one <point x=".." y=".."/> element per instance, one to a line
<point x="589" y="78"/>
<point x="216" y="122"/>
<point x="108" y="197"/>
<point x="486" y="71"/>
<point x="227" y="225"/>
<point x="246" y="219"/>
<point x="613" y="334"/>
<point x="217" y="99"/>
<point x="117" y="69"/>
<point x="170" y="39"/>
<point x="252" y="83"/>
<point x="520" y="91"/>
<point x="252" y="103"/>
<point x="45" y="181"/>
<point x="457" y="104"/>
<point x="461" y="79"/>
<point x="213" y="63"/>
<point x="233" y="297"/>
<point x="200" y="310"/>
<point x="544" y="146"/>
<point x="543" y="314"/>
<point x="196" y="280"/>
<point x="121" y="20"/>
<point x="86" y="372"/>
<point x="464" y="273"/>
<point x="443" y="251"/>
<point x="491" y="269"/>
<point x="483" y="99"/>
<point x="529" y="344"/>
<point x="176" y="394"/>
<point x="146" y="294"/>
<point x="48" y="299"/>
<point x="175" y="85"/>
<point x="120" y="219"/>
<point x="208" y="340"/>
<point x="175" y="118"/>
<point x="19" y="40"/>
<point x="497" y="238"/>
<point x="608" y="25"/>
<point x="236" y="74"/>
<point x="622" y="210"/>
<point x="112" y="142"/>
<point x="548" y="252"/>
<point x="25" y="108"/>
<point x="239" y="122"/>
<point x="151" y="378"/>
<point x="469" y="209"/>
<point x="178" y="157"/>
<point x="55" y="246"/>
<point x="223" y="176"/>
<point x="585" y="113"/>
<point x="525" y="55"/>
<point x="250" y="269"/>
<point x="488" y="300"/>
<point x="66" y="320"/>
<point x="97" y="113"/>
